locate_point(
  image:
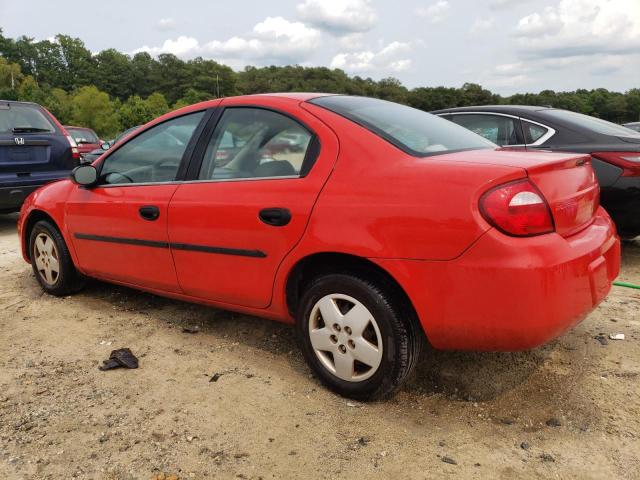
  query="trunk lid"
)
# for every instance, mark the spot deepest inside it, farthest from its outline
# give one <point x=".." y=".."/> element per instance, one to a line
<point x="567" y="182"/>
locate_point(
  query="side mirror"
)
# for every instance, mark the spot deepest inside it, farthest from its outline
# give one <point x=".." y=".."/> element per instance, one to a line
<point x="85" y="175"/>
<point x="105" y="146"/>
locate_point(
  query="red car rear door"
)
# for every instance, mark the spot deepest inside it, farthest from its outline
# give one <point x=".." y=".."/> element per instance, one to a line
<point x="255" y="181"/>
<point x="119" y="227"/>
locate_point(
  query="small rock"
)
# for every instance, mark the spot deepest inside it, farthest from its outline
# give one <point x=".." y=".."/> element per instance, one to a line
<point x="441" y="443"/>
<point x="507" y="421"/>
<point x="546" y="457"/>
<point x="602" y="339"/>
<point x="193" y="329"/>
<point x="449" y="460"/>
<point x="553" y="422"/>
<point x="525" y="446"/>
<point x="363" y="441"/>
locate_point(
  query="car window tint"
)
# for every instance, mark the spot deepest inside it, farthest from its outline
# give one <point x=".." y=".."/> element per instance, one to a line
<point x="414" y="131"/>
<point x="589" y="123"/>
<point x="255" y="143"/>
<point x="83" y="135"/>
<point x="15" y="117"/>
<point x="152" y="156"/>
<point x="495" y="128"/>
<point x="533" y="132"/>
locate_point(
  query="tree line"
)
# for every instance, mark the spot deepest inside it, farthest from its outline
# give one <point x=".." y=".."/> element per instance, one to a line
<point x="111" y="91"/>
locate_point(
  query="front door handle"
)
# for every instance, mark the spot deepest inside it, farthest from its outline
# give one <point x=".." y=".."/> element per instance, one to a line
<point x="149" y="212"/>
<point x="276" y="217"/>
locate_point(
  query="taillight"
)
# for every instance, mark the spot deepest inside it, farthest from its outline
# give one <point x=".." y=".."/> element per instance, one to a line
<point x="628" y="161"/>
<point x="74" y="148"/>
<point x="517" y="208"/>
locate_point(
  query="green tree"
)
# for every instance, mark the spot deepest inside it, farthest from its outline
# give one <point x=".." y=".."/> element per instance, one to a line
<point x="92" y="108"/>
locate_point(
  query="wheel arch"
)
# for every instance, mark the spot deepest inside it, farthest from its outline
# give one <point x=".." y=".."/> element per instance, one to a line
<point x="34" y="217"/>
<point x="316" y="264"/>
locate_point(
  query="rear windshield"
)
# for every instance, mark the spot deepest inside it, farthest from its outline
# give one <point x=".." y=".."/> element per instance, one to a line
<point x="16" y="118"/>
<point x="591" y="123"/>
<point x="416" y="132"/>
<point x="83" y="135"/>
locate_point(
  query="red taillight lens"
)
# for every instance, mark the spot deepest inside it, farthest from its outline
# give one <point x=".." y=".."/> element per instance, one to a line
<point x="518" y="209"/>
<point x="74" y="148"/>
<point x="628" y="161"/>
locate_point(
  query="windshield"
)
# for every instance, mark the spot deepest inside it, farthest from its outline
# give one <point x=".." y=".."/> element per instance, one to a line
<point x="590" y="123"/>
<point x="416" y="132"/>
<point x="83" y="135"/>
<point x="17" y="118"/>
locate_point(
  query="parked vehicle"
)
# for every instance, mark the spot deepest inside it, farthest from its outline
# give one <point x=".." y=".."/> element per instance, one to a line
<point x="389" y="222"/>
<point x="635" y="126"/>
<point x="89" y="157"/>
<point x="34" y="149"/>
<point x="615" y="150"/>
<point x="85" y="138"/>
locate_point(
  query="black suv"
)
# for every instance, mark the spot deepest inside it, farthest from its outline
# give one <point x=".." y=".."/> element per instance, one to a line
<point x="34" y="149"/>
<point x="614" y="150"/>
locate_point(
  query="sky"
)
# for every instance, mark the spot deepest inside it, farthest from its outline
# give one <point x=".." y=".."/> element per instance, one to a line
<point x="508" y="46"/>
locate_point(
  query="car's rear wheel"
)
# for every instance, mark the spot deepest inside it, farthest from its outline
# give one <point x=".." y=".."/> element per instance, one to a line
<point x="51" y="261"/>
<point x="356" y="336"/>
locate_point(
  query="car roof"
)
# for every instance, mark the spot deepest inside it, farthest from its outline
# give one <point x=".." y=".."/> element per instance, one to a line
<point x="508" y="109"/>
<point x="78" y="128"/>
<point x="17" y="102"/>
<point x="631" y="123"/>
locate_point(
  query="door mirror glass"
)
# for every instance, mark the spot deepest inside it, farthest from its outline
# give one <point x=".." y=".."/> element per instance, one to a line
<point x="84" y="175"/>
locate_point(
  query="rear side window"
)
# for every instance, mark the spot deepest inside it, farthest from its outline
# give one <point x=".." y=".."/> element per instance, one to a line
<point x="255" y="143"/>
<point x="16" y="118"/>
<point x="416" y="132"/>
<point x="498" y="129"/>
<point x="83" y="135"/>
<point x="590" y="123"/>
<point x="533" y="132"/>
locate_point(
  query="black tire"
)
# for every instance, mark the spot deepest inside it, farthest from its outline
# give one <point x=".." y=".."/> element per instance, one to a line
<point x="401" y="341"/>
<point x="68" y="279"/>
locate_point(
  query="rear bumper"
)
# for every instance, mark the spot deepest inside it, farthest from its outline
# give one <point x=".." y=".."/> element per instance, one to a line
<point x="14" y="190"/>
<point x="507" y="294"/>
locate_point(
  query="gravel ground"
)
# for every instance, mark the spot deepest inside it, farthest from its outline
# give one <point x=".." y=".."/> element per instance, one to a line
<point x="568" y="410"/>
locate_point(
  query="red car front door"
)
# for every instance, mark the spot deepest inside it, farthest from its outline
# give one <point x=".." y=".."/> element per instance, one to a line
<point x="119" y="227"/>
<point x="232" y="226"/>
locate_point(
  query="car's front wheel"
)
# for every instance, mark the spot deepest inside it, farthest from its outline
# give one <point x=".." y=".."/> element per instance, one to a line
<point x="355" y="336"/>
<point x="51" y="261"/>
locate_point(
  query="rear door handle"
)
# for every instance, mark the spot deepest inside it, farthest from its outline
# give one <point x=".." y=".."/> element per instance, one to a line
<point x="149" y="212"/>
<point x="276" y="217"/>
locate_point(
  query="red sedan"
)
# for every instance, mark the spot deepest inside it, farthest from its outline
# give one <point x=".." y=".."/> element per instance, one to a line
<point x="383" y="223"/>
<point x="86" y="139"/>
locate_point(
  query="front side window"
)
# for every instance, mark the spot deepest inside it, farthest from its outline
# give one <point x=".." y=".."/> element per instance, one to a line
<point x="255" y="143"/>
<point x="533" y="132"/>
<point x="16" y="118"/>
<point x="495" y="128"/>
<point x="416" y="132"/>
<point x="152" y="156"/>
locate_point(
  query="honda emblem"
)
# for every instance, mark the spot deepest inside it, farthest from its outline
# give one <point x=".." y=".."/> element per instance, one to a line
<point x="19" y="140"/>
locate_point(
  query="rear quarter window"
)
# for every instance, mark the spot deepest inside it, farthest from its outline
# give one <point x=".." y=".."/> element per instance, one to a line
<point x="16" y="118"/>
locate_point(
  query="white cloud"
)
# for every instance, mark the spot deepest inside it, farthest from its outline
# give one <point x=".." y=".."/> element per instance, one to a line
<point x="166" y="24"/>
<point x="391" y="58"/>
<point x="502" y="4"/>
<point x="482" y="25"/>
<point x="181" y="46"/>
<point x="274" y="40"/>
<point x="339" y="16"/>
<point x="581" y="27"/>
<point x="436" y="12"/>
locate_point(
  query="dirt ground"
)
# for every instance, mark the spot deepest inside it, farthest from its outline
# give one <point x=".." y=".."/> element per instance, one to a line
<point x="568" y="410"/>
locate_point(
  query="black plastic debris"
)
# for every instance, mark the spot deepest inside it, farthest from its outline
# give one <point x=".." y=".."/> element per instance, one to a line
<point x="215" y="377"/>
<point x="121" y="358"/>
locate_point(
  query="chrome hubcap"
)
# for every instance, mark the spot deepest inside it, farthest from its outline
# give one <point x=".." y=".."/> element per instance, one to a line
<point x="46" y="258"/>
<point x="345" y="337"/>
